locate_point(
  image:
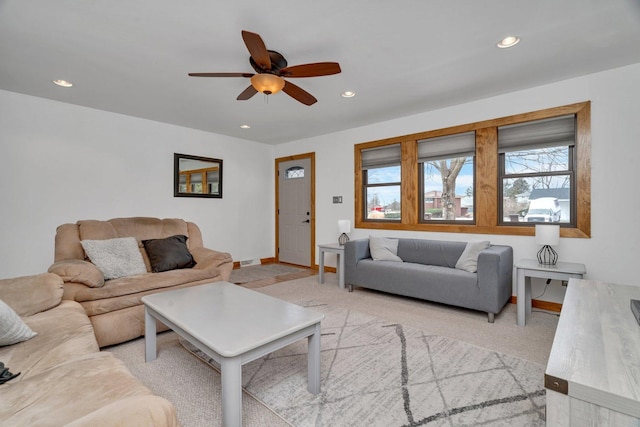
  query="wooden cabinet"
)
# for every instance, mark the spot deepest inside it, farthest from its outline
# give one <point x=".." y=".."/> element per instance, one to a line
<point x="593" y="374"/>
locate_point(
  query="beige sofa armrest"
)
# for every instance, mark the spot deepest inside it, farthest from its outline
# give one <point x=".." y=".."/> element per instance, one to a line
<point x="29" y="295"/>
<point x="78" y="271"/>
<point x="206" y="258"/>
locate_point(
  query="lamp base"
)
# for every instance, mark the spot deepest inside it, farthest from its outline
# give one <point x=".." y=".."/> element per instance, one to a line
<point x="547" y="255"/>
<point x="343" y="239"/>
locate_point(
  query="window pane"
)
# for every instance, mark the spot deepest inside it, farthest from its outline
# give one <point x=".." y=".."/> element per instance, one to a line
<point x="537" y="199"/>
<point x="448" y="189"/>
<point x="383" y="202"/>
<point x="294" y="172"/>
<point x="383" y="175"/>
<point x="550" y="159"/>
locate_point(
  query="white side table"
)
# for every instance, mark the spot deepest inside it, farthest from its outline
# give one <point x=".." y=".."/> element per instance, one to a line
<point x="528" y="268"/>
<point x="337" y="249"/>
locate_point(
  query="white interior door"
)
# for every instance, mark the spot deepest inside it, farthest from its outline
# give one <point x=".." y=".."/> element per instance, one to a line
<point x="294" y="212"/>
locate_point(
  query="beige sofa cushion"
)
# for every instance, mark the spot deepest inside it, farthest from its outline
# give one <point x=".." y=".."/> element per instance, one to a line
<point x="70" y="391"/>
<point x="64" y="332"/>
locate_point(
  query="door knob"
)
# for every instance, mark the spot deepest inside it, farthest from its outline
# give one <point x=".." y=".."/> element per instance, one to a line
<point x="306" y="220"/>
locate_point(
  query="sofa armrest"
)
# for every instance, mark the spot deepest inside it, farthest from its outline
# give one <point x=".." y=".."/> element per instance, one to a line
<point x="78" y="271"/>
<point x="207" y="258"/>
<point x="29" y="295"/>
<point x="354" y="251"/>
<point x="495" y="271"/>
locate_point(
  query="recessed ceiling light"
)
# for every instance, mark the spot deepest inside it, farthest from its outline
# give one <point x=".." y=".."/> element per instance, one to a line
<point x="63" y="83"/>
<point x="245" y="127"/>
<point x="348" y="94"/>
<point x="508" y="42"/>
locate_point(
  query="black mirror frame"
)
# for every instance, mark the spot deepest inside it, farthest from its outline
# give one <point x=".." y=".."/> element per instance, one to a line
<point x="176" y="176"/>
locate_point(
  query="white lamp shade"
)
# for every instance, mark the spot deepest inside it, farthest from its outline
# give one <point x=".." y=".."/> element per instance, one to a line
<point x="547" y="234"/>
<point x="344" y="226"/>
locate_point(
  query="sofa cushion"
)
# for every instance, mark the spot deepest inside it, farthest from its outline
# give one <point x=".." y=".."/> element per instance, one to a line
<point x="384" y="249"/>
<point x="442" y="253"/>
<point x="170" y="253"/>
<point x="468" y="261"/>
<point x="12" y="329"/>
<point x="68" y="391"/>
<point x="116" y="258"/>
<point x="64" y="332"/>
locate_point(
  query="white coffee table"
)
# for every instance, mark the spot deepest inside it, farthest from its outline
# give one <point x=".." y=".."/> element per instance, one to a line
<point x="233" y="326"/>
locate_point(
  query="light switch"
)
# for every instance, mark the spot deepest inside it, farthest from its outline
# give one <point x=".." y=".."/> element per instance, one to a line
<point x="337" y="199"/>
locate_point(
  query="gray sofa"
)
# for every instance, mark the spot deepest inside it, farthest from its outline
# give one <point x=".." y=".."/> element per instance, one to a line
<point x="428" y="272"/>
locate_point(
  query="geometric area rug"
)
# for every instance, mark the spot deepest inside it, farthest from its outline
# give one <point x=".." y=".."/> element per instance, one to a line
<point x="378" y="373"/>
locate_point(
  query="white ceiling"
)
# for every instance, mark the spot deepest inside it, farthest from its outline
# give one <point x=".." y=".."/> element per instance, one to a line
<point x="400" y="57"/>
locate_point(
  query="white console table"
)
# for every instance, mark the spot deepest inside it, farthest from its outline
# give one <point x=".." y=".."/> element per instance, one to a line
<point x="528" y="268"/>
<point x="593" y="373"/>
<point x="339" y="251"/>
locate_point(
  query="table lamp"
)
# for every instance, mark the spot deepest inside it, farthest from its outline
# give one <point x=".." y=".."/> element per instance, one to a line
<point x="344" y="227"/>
<point x="547" y="235"/>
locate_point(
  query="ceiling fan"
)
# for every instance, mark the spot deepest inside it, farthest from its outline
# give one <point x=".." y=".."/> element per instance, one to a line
<point x="271" y="68"/>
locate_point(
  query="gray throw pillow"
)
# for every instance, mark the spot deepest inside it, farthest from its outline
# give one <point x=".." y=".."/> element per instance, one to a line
<point x="167" y="254"/>
<point x="468" y="261"/>
<point x="384" y="249"/>
<point x="12" y="329"/>
<point x="115" y="257"/>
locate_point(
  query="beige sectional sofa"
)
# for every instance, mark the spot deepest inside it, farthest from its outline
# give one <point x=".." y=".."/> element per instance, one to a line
<point x="114" y="306"/>
<point x="64" y="379"/>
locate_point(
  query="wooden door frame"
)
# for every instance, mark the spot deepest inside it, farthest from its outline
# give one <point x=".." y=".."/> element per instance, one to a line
<point x="312" y="196"/>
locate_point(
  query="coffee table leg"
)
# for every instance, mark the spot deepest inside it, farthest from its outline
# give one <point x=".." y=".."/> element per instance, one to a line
<point x="313" y="360"/>
<point x="231" y="377"/>
<point x="149" y="336"/>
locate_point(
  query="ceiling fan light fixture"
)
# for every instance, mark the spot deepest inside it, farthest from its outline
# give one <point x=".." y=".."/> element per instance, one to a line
<point x="63" y="83"/>
<point x="267" y="83"/>
<point x="508" y="42"/>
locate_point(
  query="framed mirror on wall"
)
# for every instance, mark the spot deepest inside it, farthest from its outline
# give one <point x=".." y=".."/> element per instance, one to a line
<point x="197" y="176"/>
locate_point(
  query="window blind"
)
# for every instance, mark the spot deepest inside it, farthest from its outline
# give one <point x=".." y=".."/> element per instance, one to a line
<point x="446" y="147"/>
<point x="554" y="132"/>
<point x="388" y="155"/>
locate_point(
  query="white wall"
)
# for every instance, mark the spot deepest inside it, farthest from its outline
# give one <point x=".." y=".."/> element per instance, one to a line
<point x="613" y="252"/>
<point x="62" y="163"/>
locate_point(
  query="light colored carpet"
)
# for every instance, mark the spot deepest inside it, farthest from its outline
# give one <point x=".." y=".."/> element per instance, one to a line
<point x="190" y="385"/>
<point x="253" y="273"/>
<point x="377" y="373"/>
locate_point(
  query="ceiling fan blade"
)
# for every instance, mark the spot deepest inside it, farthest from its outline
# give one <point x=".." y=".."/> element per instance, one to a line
<point x="311" y="70"/>
<point x="257" y="49"/>
<point x="221" y="74"/>
<point x="299" y="94"/>
<point x="247" y="93"/>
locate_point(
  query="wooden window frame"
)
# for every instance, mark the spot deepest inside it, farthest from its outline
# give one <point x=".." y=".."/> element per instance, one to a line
<point x="487" y="180"/>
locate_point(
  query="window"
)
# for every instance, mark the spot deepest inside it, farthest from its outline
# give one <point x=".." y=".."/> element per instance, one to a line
<point x="446" y="168"/>
<point x="537" y="171"/>
<point x="381" y="183"/>
<point x="510" y="173"/>
<point x="294" y="172"/>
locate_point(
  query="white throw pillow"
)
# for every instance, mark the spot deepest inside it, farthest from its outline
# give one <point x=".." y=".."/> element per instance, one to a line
<point x="115" y="257"/>
<point x="469" y="259"/>
<point x="384" y="249"/>
<point x="12" y="329"/>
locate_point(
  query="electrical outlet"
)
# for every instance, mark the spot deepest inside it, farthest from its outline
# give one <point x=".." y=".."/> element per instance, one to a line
<point x="337" y="199"/>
